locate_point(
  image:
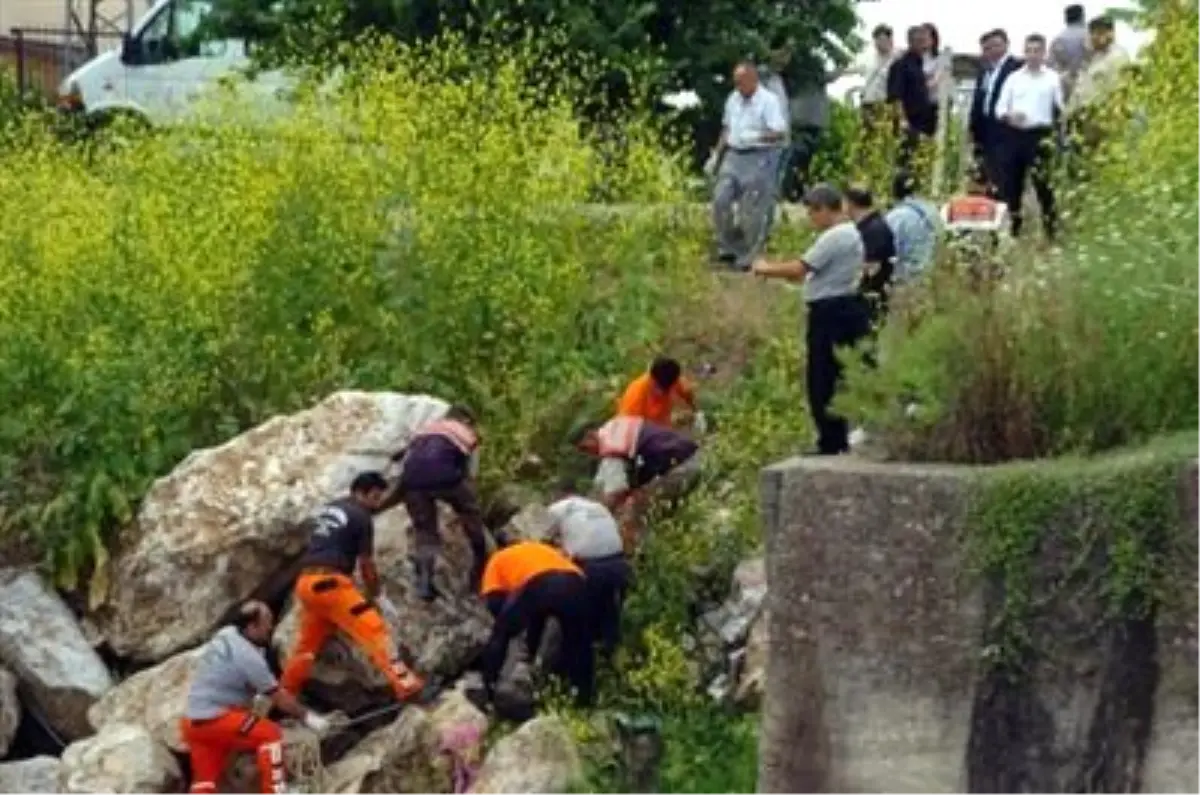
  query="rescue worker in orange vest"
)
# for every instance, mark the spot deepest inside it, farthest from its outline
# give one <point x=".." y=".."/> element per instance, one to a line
<point x="525" y="584"/>
<point x="638" y="459"/>
<point x="975" y="212"/>
<point x="328" y="598"/>
<point x="654" y="394"/>
<point x="220" y="718"/>
<point x="439" y="465"/>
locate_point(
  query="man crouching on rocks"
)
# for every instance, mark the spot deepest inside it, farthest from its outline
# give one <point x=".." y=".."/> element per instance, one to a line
<point x="587" y="532"/>
<point x="220" y="718"/>
<point x="639" y="460"/>
<point x="439" y="465"/>
<point x="329" y="599"/>
<point x="524" y="586"/>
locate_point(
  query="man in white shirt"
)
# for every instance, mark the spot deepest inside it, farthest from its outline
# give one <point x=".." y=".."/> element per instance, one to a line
<point x="753" y="132"/>
<point x="1030" y="104"/>
<point x="873" y="67"/>
<point x="588" y="533"/>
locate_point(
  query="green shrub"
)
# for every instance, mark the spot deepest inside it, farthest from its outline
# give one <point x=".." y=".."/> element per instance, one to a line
<point x="193" y="283"/>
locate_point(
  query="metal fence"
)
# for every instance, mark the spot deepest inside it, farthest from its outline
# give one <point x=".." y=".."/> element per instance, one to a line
<point x="42" y="57"/>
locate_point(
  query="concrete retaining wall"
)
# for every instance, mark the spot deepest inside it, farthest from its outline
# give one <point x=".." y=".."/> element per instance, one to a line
<point x="877" y="680"/>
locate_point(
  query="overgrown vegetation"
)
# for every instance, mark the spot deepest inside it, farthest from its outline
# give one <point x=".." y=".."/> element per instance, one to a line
<point x="167" y="294"/>
<point x="1075" y="352"/>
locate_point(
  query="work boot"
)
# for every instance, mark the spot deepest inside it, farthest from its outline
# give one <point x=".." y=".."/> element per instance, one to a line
<point x="423" y="579"/>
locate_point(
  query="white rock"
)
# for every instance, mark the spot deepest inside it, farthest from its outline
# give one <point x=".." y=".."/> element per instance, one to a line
<point x="154" y="698"/>
<point x="39" y="774"/>
<point x="213" y="530"/>
<point x="541" y="756"/>
<point x="10" y="710"/>
<point x="41" y="643"/>
<point x="406" y="755"/>
<point x="122" y="758"/>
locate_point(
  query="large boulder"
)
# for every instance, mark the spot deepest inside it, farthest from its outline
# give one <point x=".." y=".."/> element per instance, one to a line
<point x="41" y="643"/>
<point x="39" y="774"/>
<point x="541" y="756"/>
<point x="122" y="758"/>
<point x="407" y="755"/>
<point x="228" y="518"/>
<point x="733" y="638"/>
<point x="154" y="699"/>
<point x="10" y="710"/>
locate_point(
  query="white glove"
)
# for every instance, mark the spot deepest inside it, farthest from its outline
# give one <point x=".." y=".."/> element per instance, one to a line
<point x="317" y="723"/>
<point x="387" y="607"/>
<point x="710" y="165"/>
<point x="699" y="422"/>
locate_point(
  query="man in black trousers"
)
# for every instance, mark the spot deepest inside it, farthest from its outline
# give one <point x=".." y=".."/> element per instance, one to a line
<point x="908" y="92"/>
<point x="988" y="134"/>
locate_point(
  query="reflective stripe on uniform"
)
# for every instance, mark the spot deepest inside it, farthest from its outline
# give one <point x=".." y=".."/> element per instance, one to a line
<point x="459" y="434"/>
<point x="618" y="437"/>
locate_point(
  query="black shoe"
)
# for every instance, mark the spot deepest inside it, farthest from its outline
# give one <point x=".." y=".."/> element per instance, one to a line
<point x="423" y="580"/>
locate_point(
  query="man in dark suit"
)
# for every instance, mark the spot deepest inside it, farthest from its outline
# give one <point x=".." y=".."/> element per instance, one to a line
<point x="988" y="136"/>
<point x="908" y="92"/>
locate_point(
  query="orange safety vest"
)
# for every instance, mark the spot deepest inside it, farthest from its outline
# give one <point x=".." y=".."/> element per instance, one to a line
<point x="972" y="208"/>
<point x="619" y="437"/>
<point x="458" y="433"/>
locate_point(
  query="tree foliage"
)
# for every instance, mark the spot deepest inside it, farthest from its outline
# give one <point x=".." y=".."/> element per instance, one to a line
<point x="686" y="43"/>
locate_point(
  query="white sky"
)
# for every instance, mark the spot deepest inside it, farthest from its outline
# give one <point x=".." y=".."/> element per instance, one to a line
<point x="960" y="22"/>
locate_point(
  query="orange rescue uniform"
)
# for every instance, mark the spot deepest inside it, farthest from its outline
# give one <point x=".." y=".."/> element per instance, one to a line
<point x="642" y="398"/>
<point x="212" y="741"/>
<point x="509" y="569"/>
<point x="330" y="601"/>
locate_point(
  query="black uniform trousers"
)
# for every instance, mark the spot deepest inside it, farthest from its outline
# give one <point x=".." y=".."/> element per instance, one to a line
<point x="563" y="596"/>
<point x="833" y="323"/>
<point x="608" y="580"/>
<point x="1029" y="153"/>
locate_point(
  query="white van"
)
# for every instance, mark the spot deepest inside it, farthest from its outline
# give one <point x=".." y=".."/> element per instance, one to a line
<point x="163" y="65"/>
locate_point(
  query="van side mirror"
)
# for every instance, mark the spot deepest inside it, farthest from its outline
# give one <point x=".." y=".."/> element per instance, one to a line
<point x="129" y="54"/>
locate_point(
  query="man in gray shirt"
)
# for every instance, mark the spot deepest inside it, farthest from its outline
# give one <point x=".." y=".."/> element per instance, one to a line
<point x="588" y="533"/>
<point x="837" y="315"/>
<point x="221" y="716"/>
<point x="1069" y="49"/>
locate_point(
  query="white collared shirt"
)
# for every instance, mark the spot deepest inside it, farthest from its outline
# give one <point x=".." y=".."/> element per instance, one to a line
<point x="747" y="118"/>
<point x="1034" y="95"/>
<point x="874" y="68"/>
<point x="992" y="77"/>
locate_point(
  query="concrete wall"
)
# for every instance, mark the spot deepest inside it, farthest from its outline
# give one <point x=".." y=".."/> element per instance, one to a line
<point x="876" y="680"/>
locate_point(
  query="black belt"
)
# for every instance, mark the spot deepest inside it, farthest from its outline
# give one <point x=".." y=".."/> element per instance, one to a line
<point x="606" y="559"/>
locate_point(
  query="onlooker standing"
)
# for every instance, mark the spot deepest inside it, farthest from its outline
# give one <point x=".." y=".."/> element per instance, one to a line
<point x="1030" y="103"/>
<point x="837" y="314"/>
<point x="879" y="250"/>
<point x="873" y="68"/>
<point x="1099" y="77"/>
<point x="914" y="222"/>
<point x="753" y="131"/>
<point x="1068" y="51"/>
<point x="810" y="114"/>
<point x="774" y="80"/>
<point x="908" y="91"/>
<point x="934" y="73"/>
<point x="987" y="134"/>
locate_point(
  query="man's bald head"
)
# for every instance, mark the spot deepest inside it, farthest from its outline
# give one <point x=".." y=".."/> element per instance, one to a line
<point x="255" y="620"/>
<point x="745" y="78"/>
